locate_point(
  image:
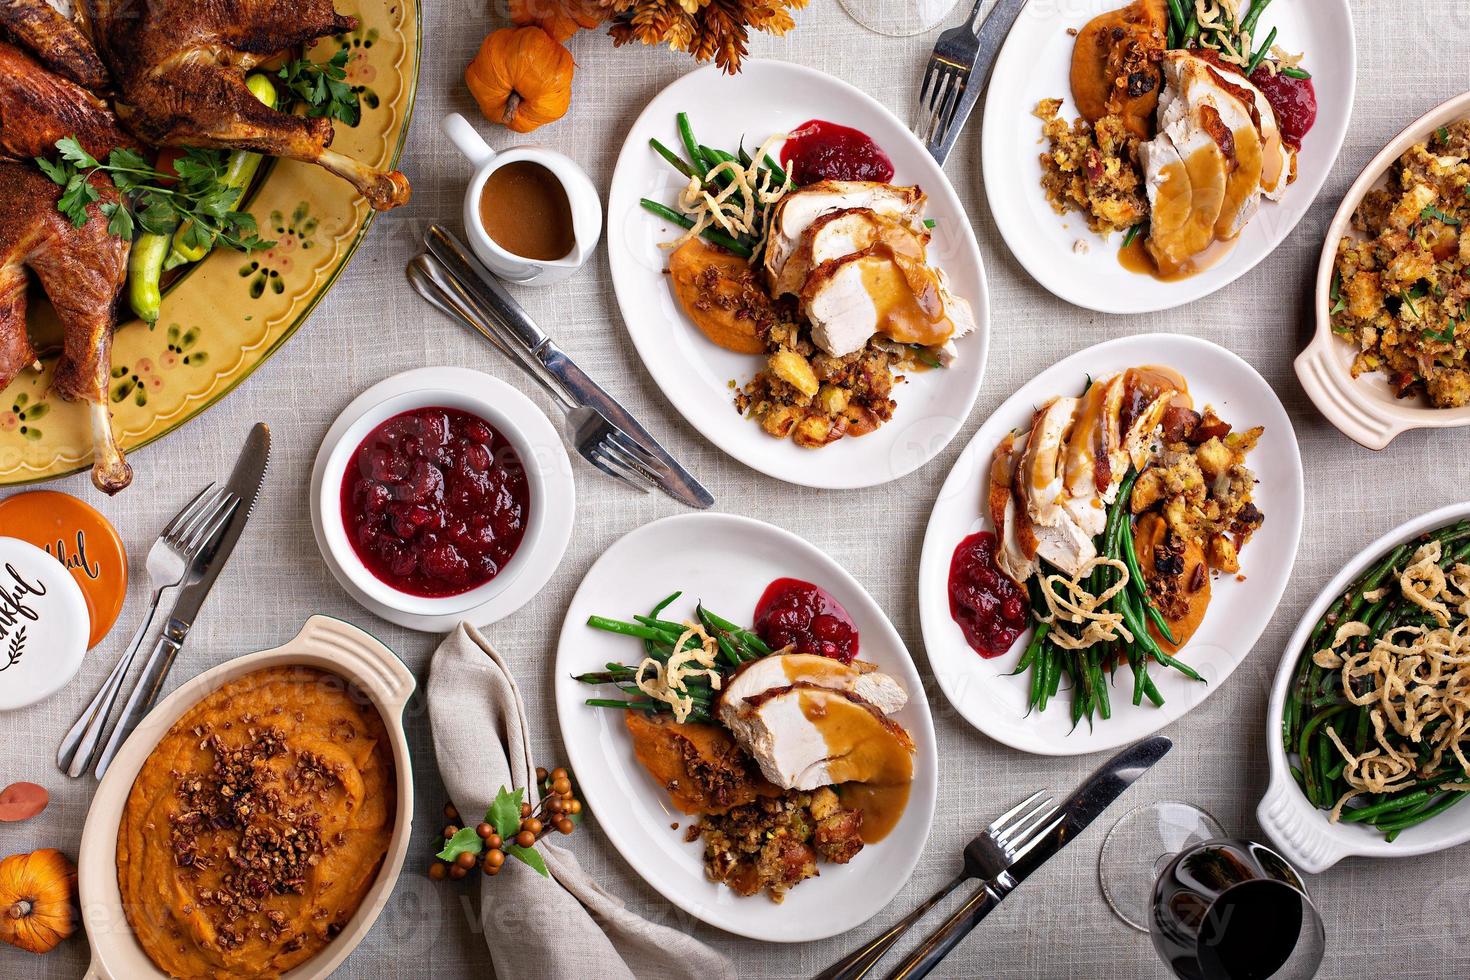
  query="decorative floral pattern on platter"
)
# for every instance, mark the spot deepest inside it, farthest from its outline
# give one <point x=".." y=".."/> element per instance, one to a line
<point x="224" y="318"/>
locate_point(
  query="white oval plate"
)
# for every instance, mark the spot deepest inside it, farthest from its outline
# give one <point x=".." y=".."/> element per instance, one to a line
<point x="771" y="97"/>
<point x="727" y="561"/>
<point x="1302" y="832"/>
<point x="996" y="703"/>
<point x="1035" y="64"/>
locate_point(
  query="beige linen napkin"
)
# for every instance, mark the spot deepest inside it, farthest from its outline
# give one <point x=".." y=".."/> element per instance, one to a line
<point x="565" y="927"/>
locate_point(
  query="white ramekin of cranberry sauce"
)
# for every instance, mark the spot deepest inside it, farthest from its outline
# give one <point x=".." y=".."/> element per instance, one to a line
<point x="432" y="501"/>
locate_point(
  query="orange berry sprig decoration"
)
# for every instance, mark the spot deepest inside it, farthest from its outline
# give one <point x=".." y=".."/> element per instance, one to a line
<point x="511" y="828"/>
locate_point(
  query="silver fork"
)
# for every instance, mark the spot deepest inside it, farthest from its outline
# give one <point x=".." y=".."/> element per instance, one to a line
<point x="957" y="72"/>
<point x="1007" y="840"/>
<point x="596" y="439"/>
<point x="188" y="534"/>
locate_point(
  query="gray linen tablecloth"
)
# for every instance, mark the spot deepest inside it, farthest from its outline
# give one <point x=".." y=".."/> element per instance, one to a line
<point x="1401" y="918"/>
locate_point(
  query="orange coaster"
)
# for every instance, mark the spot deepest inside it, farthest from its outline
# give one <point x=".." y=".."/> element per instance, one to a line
<point x="82" y="539"/>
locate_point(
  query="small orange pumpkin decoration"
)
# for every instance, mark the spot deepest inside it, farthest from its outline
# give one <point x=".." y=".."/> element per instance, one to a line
<point x="37" y="899"/>
<point x="522" y="78"/>
<point x="559" y="18"/>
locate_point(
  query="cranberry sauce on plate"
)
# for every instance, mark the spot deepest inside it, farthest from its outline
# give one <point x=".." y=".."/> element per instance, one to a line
<point x="435" y="502"/>
<point x="990" y="609"/>
<point x="820" y="150"/>
<point x="806" y="618"/>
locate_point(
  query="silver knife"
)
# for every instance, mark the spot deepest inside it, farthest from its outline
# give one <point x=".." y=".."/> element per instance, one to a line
<point x="1084" y="806"/>
<point x="992" y="36"/>
<point x="581" y="389"/>
<point x="244" y="482"/>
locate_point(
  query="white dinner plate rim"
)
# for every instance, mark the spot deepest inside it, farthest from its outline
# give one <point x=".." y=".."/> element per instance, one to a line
<point x="940" y="539"/>
<point x="569" y="696"/>
<point x="1121" y="301"/>
<point x="688" y="400"/>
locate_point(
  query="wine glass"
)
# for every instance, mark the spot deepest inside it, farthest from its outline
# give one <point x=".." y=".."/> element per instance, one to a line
<point x="1235" y="910"/>
<point x="898" y="18"/>
<point x="1140" y="846"/>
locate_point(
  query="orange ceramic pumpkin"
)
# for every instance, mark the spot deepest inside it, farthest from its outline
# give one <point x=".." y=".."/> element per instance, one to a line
<point x="559" y="18"/>
<point x="37" y="899"/>
<point x="522" y="78"/>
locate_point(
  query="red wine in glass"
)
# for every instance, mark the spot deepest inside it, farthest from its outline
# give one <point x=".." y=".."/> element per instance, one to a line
<point x="1235" y="910"/>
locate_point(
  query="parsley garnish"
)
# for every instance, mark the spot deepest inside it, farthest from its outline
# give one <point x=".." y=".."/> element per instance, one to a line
<point x="1339" y="302"/>
<point x="323" y="87"/>
<point x="1443" y="133"/>
<point x="1434" y="212"/>
<point x="152" y="200"/>
<point x="1446" y="336"/>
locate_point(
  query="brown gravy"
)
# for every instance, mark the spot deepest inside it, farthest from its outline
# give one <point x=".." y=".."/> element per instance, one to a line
<point x="525" y="209"/>
<point x="1135" y="258"/>
<point x="859" y="744"/>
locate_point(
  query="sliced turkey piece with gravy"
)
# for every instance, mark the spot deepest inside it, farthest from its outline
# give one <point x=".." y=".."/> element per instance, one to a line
<point x="1039" y="488"/>
<point x="1016" y="559"/>
<point x="881" y="290"/>
<point x="1087" y="477"/>
<point x="838" y="233"/>
<point x="1203" y="170"/>
<point x="805" y="736"/>
<point x="769" y="673"/>
<point x="796" y="212"/>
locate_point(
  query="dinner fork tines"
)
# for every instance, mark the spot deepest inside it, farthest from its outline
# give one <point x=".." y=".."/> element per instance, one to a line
<point x="1008" y="839"/>
<point x="596" y="439"/>
<point x="182" y="540"/>
<point x="957" y="72"/>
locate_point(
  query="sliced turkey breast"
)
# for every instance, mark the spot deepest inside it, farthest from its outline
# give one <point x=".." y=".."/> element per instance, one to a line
<point x="1185" y="174"/>
<point x="1010" y="555"/>
<point x="880" y="290"/>
<point x="1087" y="470"/>
<point x="1044" y="529"/>
<point x="838" y="233"/>
<point x="795" y="212"/>
<point x="769" y="673"/>
<point x="1043" y="464"/>
<point x="805" y="737"/>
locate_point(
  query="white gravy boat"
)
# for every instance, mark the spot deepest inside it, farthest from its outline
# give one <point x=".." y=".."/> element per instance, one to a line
<point x="582" y="196"/>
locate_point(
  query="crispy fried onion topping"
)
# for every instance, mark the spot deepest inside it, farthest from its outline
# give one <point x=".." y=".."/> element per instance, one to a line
<point x="1415" y="683"/>
<point x="666" y="681"/>
<point x="741" y="206"/>
<point x="1423" y="582"/>
<point x="1081" y="608"/>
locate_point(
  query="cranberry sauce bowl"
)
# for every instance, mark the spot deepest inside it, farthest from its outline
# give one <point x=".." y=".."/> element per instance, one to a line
<point x="435" y="501"/>
<point x="431" y="500"/>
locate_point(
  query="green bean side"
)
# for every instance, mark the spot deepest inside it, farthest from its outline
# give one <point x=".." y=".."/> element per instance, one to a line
<point x="737" y="646"/>
<point x="1086" y="668"/>
<point x="1315" y="697"/>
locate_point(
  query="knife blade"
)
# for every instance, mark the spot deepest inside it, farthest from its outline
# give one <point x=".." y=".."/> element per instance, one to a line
<point x="245" y="482"/>
<point x="1084" y="806"/>
<point x="580" y="388"/>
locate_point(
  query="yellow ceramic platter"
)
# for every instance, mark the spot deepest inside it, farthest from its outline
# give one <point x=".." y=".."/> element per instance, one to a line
<point x="230" y="312"/>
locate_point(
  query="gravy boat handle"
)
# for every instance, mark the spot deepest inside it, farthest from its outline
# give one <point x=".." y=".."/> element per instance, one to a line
<point x="467" y="140"/>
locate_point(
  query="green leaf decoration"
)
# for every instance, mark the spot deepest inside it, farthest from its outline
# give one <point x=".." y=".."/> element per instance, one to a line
<point x="529" y="856"/>
<point x="466" y="841"/>
<point x="505" y="813"/>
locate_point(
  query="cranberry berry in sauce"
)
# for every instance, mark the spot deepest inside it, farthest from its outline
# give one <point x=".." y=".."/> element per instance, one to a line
<point x="990" y="608"/>
<point x="435" y="502"/>
<point x="819" y="150"/>
<point x="1294" y="99"/>
<point x="805" y="617"/>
